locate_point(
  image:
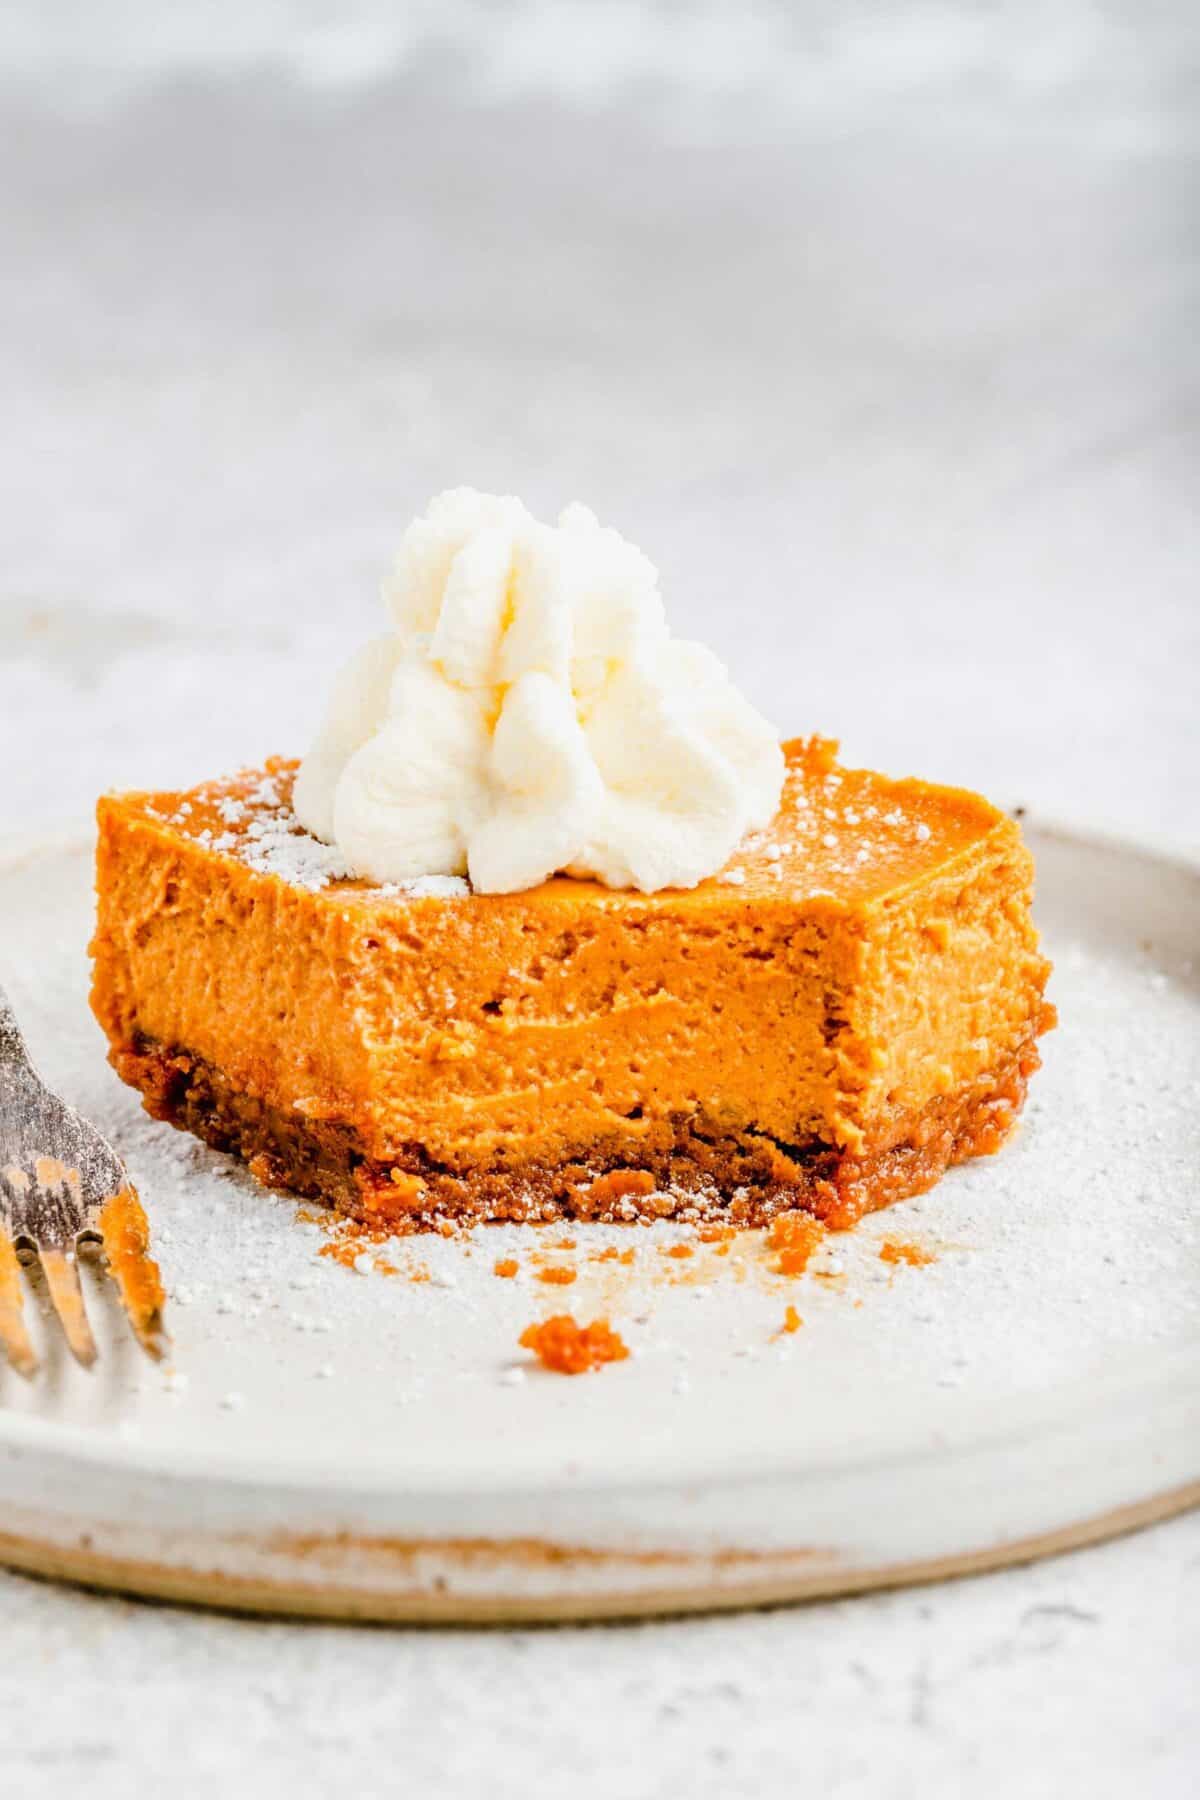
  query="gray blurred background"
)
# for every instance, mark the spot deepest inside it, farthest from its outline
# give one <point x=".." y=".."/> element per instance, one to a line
<point x="876" y="327"/>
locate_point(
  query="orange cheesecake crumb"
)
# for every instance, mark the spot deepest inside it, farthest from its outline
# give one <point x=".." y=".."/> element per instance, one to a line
<point x="342" y="1251"/>
<point x="125" y="1234"/>
<point x="679" y="1251"/>
<point x="892" y="1250"/>
<point x="557" y="1277"/>
<point x="795" y="1235"/>
<point x="570" y="1349"/>
<point x="822" y="753"/>
<point x="506" y="1267"/>
<point x="345" y="1251"/>
<point x="791" y="1320"/>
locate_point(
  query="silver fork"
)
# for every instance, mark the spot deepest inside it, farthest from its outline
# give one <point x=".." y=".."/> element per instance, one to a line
<point x="62" y="1186"/>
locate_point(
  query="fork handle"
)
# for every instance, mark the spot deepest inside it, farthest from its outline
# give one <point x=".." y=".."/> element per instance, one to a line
<point x="13" y="1054"/>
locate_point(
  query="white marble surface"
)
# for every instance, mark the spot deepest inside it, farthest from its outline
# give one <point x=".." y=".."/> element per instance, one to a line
<point x="877" y="331"/>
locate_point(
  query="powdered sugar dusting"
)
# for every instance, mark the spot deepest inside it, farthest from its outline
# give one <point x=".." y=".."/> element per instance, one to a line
<point x="841" y="831"/>
<point x="277" y="846"/>
<point x="262" y="831"/>
<point x="837" y="832"/>
<point x="428" y="887"/>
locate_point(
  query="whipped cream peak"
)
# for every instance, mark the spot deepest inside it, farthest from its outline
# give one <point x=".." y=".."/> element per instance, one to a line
<point x="530" y="714"/>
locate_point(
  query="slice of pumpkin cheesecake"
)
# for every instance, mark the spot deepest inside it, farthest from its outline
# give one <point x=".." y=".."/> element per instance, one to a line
<point x="851" y="1005"/>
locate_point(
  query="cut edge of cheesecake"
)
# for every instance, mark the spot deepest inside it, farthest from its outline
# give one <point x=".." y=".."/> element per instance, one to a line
<point x="845" y="1011"/>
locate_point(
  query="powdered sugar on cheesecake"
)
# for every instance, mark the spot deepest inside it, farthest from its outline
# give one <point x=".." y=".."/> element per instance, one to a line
<point x="251" y="817"/>
<point x="827" y="835"/>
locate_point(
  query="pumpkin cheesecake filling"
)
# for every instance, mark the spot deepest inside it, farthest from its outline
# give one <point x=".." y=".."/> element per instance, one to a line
<point x="844" y="1010"/>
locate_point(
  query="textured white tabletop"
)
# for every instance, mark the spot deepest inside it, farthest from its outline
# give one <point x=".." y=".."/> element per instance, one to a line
<point x="877" y="331"/>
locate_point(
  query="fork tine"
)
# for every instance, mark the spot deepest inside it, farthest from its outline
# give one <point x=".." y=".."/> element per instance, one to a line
<point x="13" y="1335"/>
<point x="125" y="1234"/>
<point x="62" y="1279"/>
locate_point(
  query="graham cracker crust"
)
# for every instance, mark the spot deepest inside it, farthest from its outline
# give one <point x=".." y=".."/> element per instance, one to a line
<point x="689" y="1167"/>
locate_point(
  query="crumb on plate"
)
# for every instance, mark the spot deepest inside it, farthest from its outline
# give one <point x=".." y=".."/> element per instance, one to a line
<point x="795" y="1235"/>
<point x="893" y="1250"/>
<point x="571" y="1349"/>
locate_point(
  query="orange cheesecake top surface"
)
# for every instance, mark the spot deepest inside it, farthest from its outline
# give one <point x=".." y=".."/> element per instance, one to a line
<point x="842" y="839"/>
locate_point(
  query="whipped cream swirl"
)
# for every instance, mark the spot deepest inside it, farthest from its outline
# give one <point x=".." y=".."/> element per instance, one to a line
<point x="530" y="714"/>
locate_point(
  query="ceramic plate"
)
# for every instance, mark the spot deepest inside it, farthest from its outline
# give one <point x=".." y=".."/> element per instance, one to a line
<point x="377" y="1444"/>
